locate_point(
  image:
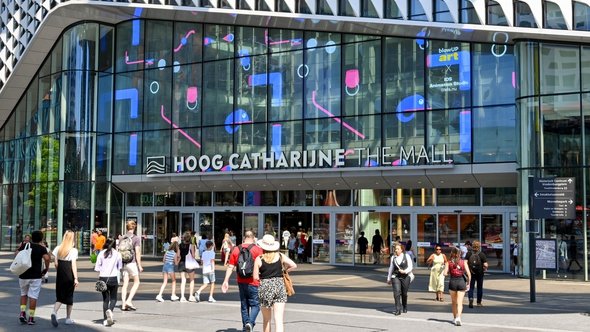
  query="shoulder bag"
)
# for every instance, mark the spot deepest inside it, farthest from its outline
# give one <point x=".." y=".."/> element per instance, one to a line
<point x="101" y="285"/>
<point x="22" y="262"/>
<point x="190" y="263"/>
<point x="287" y="280"/>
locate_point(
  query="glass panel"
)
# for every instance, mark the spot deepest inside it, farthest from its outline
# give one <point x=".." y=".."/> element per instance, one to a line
<point x="32" y="109"/>
<point x="79" y="47"/>
<point x="186" y="224"/>
<point x="447" y="231"/>
<point x="261" y="198"/>
<point x="404" y="129"/>
<point x="442" y="12"/>
<point x="494" y="79"/>
<point x="499" y="196"/>
<point x="524" y="16"/>
<point x="368" y="9"/>
<point x="280" y="40"/>
<point x="252" y="84"/>
<point x="362" y="135"/>
<point x="250" y="224"/>
<point x="495" y="13"/>
<point x="426" y="237"/>
<point x="167" y="199"/>
<point x="78" y="159"/>
<point x="104" y="107"/>
<point x="553" y="16"/>
<point x="20" y="112"/>
<point x="285" y="136"/>
<point x="224" y="223"/>
<point x="251" y="138"/>
<point x="76" y="212"/>
<point x="581" y="16"/>
<point x="561" y="130"/>
<point x="449" y="74"/>
<point x="417" y="12"/>
<point x="147" y="233"/>
<point x="494" y="134"/>
<point x="492" y="243"/>
<point x="129" y="51"/>
<point x="156" y="99"/>
<point x="457" y="196"/>
<point x="469" y="226"/>
<point x="156" y="143"/>
<point x="321" y="238"/>
<point x="229" y="198"/>
<point x="106" y="48"/>
<point x="57" y="59"/>
<point x="322" y="134"/>
<point x="452" y="128"/>
<point x="206" y="225"/>
<point x="158" y="44"/>
<point x="467" y="13"/>
<point x="372" y="197"/>
<point x="288" y="102"/>
<point x="187" y="97"/>
<point x="128" y="97"/>
<point x="392" y="10"/>
<point x="188" y="41"/>
<point x="218" y="93"/>
<point x="271" y="225"/>
<point x="296" y="198"/>
<point x="219" y="43"/>
<point x="399" y="230"/>
<point x="344" y="240"/>
<point x="560" y="68"/>
<point x="127" y="153"/>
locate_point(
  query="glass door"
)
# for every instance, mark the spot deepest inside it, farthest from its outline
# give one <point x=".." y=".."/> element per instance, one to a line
<point x="492" y="243"/>
<point x="146" y="227"/>
<point x="205" y="225"/>
<point x="320" y="249"/>
<point x="250" y="224"/>
<point x="187" y="223"/>
<point x="271" y="225"/>
<point x="425" y="237"/>
<point x="344" y="239"/>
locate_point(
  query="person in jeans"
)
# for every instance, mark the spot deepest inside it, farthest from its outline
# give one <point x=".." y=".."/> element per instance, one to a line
<point x="108" y="264"/>
<point x="248" y="287"/>
<point x="477" y="273"/>
<point x="30" y="280"/>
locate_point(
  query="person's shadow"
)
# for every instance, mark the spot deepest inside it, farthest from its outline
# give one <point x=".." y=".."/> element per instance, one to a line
<point x="229" y="330"/>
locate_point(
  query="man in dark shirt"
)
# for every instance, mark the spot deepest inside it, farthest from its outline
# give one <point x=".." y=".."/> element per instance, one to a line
<point x="377" y="244"/>
<point x="30" y="280"/>
<point x="363" y="243"/>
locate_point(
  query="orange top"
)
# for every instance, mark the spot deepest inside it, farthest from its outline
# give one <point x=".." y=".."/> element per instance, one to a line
<point x="100" y="240"/>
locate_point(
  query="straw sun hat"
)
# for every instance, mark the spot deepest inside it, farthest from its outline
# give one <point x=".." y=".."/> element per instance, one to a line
<point x="268" y="243"/>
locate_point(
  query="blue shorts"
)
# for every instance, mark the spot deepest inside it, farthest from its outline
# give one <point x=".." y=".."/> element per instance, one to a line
<point x="168" y="268"/>
<point x="209" y="278"/>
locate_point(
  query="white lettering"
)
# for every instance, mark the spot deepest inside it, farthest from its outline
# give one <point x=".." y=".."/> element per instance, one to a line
<point x="191" y="163"/>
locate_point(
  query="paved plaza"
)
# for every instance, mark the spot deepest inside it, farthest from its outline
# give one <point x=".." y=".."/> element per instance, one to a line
<point x="329" y="298"/>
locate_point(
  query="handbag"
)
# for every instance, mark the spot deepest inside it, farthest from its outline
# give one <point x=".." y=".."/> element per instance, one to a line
<point x="22" y="262"/>
<point x="190" y="263"/>
<point x="287" y="280"/>
<point x="100" y="286"/>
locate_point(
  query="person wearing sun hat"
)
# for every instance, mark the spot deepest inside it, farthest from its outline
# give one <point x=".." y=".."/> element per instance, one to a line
<point x="268" y="268"/>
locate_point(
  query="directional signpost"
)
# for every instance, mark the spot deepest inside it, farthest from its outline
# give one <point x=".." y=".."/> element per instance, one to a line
<point x="554" y="198"/>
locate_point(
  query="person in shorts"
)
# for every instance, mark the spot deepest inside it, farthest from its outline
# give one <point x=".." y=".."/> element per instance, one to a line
<point x="458" y="269"/>
<point x="131" y="269"/>
<point x="30" y="280"/>
<point x="208" y="272"/>
<point x="171" y="260"/>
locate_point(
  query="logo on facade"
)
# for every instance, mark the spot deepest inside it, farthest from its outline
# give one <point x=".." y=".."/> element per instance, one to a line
<point x="156" y="165"/>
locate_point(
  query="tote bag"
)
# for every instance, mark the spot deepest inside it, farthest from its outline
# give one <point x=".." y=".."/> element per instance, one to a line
<point x="22" y="262"/>
<point x="190" y="262"/>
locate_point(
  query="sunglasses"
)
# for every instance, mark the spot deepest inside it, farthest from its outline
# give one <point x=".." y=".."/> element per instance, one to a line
<point x="438" y="249"/>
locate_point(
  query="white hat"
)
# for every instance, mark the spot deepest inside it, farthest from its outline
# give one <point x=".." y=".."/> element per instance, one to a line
<point x="268" y="243"/>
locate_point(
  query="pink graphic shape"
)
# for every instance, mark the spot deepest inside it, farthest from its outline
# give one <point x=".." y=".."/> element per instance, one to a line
<point x="183" y="41"/>
<point x="346" y="125"/>
<point x="147" y="61"/>
<point x="293" y="42"/>
<point x="352" y="78"/>
<point x="175" y="126"/>
<point x="191" y="94"/>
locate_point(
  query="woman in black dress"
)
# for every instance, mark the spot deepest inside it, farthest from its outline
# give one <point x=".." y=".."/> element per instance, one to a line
<point x="65" y="256"/>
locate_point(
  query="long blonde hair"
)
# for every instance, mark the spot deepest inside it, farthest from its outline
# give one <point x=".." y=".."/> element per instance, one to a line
<point x="67" y="243"/>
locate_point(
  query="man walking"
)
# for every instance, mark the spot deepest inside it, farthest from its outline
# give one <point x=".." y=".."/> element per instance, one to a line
<point x="30" y="280"/>
<point x="247" y="286"/>
<point x="131" y="268"/>
<point x="376" y="246"/>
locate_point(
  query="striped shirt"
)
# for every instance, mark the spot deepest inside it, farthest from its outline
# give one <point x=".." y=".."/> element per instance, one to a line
<point x="169" y="257"/>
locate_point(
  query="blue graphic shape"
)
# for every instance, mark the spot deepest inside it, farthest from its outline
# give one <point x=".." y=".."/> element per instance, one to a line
<point x="371" y="163"/>
<point x="235" y="119"/>
<point x="133" y="150"/>
<point x="409" y="104"/>
<point x="229" y="37"/>
<point x="135" y="28"/>
<point x="422" y="43"/>
<point x="465" y="131"/>
<point x="133" y="96"/>
<point x="275" y="79"/>
<point x="245" y="61"/>
<point x="276" y="140"/>
<point x="460" y="58"/>
<point x="208" y="41"/>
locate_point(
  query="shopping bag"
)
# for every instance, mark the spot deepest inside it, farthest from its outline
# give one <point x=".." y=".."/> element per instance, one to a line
<point x="22" y="262"/>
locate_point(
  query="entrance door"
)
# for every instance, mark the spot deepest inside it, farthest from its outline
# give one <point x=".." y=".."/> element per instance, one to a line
<point x="344" y="240"/>
<point x="167" y="222"/>
<point x="321" y="238"/>
<point x="224" y="222"/>
<point x="147" y="228"/>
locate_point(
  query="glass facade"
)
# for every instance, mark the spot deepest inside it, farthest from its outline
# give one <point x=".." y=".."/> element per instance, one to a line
<point x="107" y="98"/>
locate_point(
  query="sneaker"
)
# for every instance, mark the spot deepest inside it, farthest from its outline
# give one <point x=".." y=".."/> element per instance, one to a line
<point x="248" y="327"/>
<point x="159" y="298"/>
<point x="212" y="300"/>
<point x="54" y="320"/>
<point x="31" y="320"/>
<point x="192" y="299"/>
<point x="69" y="321"/>
<point x="458" y="322"/>
<point x="174" y="298"/>
<point x="198" y="296"/>
<point x="110" y="320"/>
<point x="470" y="303"/>
<point x="183" y="299"/>
<point x="105" y="323"/>
<point x="23" y="317"/>
<point x="479" y="304"/>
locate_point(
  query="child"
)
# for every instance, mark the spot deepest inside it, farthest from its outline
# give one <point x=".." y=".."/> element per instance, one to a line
<point x="300" y="253"/>
<point x="208" y="272"/>
<point x="171" y="259"/>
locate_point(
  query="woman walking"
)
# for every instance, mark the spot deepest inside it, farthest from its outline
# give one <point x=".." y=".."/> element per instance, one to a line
<point x="171" y="259"/>
<point x="108" y="265"/>
<point x="459" y="283"/>
<point x="186" y="248"/>
<point x="400" y="276"/>
<point x="438" y="260"/>
<point x="226" y="247"/>
<point x="66" y="280"/>
<point x="268" y="268"/>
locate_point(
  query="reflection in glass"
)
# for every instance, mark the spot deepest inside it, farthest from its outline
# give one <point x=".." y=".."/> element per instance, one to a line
<point x="321" y="238"/>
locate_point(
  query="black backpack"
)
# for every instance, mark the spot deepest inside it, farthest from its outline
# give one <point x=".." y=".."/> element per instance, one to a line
<point x="245" y="262"/>
<point x="474" y="262"/>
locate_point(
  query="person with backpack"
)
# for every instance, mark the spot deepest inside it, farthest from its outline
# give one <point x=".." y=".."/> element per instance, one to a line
<point x="461" y="277"/>
<point x="130" y="251"/>
<point x="478" y="264"/>
<point x="242" y="260"/>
